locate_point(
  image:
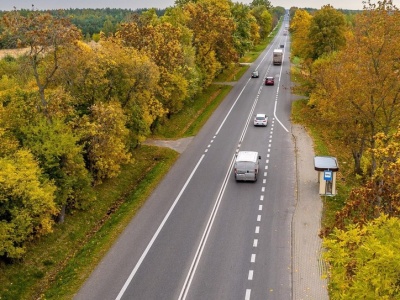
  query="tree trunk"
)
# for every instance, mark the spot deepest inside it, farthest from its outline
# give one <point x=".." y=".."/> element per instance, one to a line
<point x="357" y="162"/>
<point x="61" y="216"/>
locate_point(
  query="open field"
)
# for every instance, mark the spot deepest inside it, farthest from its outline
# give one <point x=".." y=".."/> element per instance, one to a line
<point x="12" y="52"/>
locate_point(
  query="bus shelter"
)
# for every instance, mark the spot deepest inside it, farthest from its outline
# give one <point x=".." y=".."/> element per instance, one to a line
<point x="326" y="166"/>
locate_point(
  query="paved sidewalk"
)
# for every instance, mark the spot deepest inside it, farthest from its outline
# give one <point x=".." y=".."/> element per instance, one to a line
<point x="306" y="244"/>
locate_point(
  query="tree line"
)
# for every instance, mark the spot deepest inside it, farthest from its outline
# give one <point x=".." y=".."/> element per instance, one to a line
<point x="90" y="21"/>
<point x="72" y="113"/>
<point x="351" y="74"/>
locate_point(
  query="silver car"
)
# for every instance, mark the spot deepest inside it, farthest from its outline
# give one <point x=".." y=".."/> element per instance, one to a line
<point x="261" y="120"/>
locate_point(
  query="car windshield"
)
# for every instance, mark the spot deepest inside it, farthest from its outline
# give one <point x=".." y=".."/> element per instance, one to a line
<point x="260" y="118"/>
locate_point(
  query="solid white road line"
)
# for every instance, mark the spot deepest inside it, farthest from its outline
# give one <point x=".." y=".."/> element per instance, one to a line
<point x="144" y="254"/>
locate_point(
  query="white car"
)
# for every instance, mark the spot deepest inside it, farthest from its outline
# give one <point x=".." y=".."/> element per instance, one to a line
<point x="261" y="120"/>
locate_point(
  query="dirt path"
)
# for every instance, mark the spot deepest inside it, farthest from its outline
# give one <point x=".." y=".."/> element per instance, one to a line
<point x="178" y="145"/>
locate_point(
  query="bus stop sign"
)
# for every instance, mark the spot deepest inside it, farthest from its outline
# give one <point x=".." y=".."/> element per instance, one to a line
<point x="328" y="175"/>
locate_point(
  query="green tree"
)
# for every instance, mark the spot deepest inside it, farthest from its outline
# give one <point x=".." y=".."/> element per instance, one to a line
<point x="108" y="27"/>
<point x="243" y="34"/>
<point x="57" y="148"/>
<point x="327" y="32"/>
<point x="266" y="3"/>
<point x="264" y="20"/>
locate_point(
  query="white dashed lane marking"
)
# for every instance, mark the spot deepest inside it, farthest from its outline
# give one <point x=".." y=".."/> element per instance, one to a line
<point x="250" y="275"/>
<point x="253" y="258"/>
<point x="260" y="208"/>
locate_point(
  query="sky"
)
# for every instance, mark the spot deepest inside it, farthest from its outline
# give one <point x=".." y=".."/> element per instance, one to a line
<point x="7" y="5"/>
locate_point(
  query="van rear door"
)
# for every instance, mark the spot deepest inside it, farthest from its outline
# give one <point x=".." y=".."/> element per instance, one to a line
<point x="246" y="171"/>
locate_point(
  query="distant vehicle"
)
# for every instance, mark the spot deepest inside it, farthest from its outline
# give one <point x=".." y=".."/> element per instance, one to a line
<point x="282" y="46"/>
<point x="285" y="32"/>
<point x="261" y="120"/>
<point x="247" y="165"/>
<point x="277" y="56"/>
<point x="269" y="81"/>
<point x="254" y="74"/>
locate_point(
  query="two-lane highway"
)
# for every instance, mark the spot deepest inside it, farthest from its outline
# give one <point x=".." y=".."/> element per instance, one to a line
<point x="202" y="235"/>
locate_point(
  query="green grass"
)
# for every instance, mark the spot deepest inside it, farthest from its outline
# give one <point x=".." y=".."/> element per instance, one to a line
<point x="55" y="266"/>
<point x="76" y="246"/>
<point x="233" y="73"/>
<point x="189" y="121"/>
<point x="325" y="144"/>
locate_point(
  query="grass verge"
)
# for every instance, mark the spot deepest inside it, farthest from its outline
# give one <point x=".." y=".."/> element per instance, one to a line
<point x="56" y="266"/>
<point x="324" y="144"/>
<point x="189" y="121"/>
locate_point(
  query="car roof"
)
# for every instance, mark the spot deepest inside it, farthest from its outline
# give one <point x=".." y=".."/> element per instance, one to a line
<point x="261" y="115"/>
<point x="270" y="77"/>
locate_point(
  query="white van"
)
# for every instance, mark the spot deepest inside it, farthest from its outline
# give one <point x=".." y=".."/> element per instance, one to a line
<point x="247" y="165"/>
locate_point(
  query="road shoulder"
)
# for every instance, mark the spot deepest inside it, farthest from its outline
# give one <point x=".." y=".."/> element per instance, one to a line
<point x="308" y="282"/>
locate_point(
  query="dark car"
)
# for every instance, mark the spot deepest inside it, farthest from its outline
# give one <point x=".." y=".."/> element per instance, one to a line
<point x="254" y="74"/>
<point x="269" y="81"/>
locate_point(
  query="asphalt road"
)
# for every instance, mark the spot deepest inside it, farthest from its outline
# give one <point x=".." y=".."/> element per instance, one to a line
<point x="202" y="235"/>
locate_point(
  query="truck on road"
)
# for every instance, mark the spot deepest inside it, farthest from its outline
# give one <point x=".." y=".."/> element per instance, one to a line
<point x="277" y="56"/>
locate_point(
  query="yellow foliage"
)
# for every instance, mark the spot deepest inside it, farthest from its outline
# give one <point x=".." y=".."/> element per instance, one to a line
<point x="108" y="140"/>
<point x="26" y="199"/>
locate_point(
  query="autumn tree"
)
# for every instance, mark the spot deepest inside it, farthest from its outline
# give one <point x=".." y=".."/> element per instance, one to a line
<point x="381" y="193"/>
<point x="113" y="71"/>
<point x="364" y="262"/>
<point x="27" y="201"/>
<point x="213" y="28"/>
<point x="161" y="42"/>
<point x="357" y="91"/>
<point x="299" y="29"/>
<point x="45" y="37"/>
<point x="327" y="32"/>
<point x="177" y="18"/>
<point x="105" y="138"/>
